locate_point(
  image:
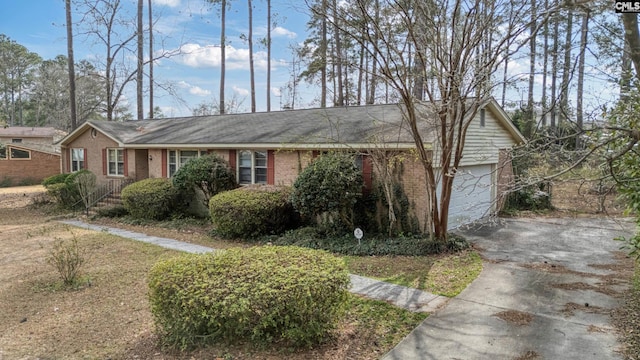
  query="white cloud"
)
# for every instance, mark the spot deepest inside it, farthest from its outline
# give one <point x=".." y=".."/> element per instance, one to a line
<point x="240" y="91"/>
<point x="276" y="91"/>
<point x="198" y="91"/>
<point x="279" y="31"/>
<point x="169" y="3"/>
<point x="208" y="56"/>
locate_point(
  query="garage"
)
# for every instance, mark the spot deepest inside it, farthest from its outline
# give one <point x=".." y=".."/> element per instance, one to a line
<point x="472" y="195"/>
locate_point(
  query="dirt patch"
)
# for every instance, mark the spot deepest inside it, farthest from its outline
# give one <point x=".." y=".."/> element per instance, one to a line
<point x="579" y="197"/>
<point x="529" y="355"/>
<point x="570" y="308"/>
<point x="16" y="197"/>
<point x="600" y="287"/>
<point x="593" y="329"/>
<point x="515" y="317"/>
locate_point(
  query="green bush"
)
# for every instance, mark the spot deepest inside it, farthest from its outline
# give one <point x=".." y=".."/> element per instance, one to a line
<point x="210" y="174"/>
<point x="64" y="188"/>
<point x="328" y="189"/>
<point x="152" y="198"/>
<point x="264" y="294"/>
<point x="408" y="245"/>
<point x="532" y="198"/>
<point x="252" y="211"/>
<point x="55" y="179"/>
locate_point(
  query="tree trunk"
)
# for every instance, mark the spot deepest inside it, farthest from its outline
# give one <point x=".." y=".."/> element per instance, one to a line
<point x="554" y="71"/>
<point x="632" y="37"/>
<point x="223" y="45"/>
<point x="530" y="117"/>
<point x="545" y="66"/>
<point x="374" y="61"/>
<point x="268" y="55"/>
<point x="323" y="54"/>
<point x="337" y="56"/>
<point x="151" y="108"/>
<point x="566" y="70"/>
<point x="140" y="69"/>
<point x="71" y="66"/>
<point x="584" y="33"/>
<point x="251" y="68"/>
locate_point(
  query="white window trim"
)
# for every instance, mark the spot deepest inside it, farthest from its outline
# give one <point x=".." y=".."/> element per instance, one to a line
<point x="253" y="166"/>
<point x="109" y="170"/>
<point x="178" y="162"/>
<point x="81" y="163"/>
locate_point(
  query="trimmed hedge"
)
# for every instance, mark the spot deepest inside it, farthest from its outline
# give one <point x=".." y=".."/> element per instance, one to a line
<point x="252" y="211"/>
<point x="210" y="174"/>
<point x="153" y="198"/>
<point x="262" y="294"/>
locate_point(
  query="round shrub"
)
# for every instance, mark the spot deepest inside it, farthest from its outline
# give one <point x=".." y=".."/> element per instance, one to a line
<point x="330" y="185"/>
<point x="252" y="211"/>
<point x="150" y="198"/>
<point x="262" y="294"/>
<point x="210" y="174"/>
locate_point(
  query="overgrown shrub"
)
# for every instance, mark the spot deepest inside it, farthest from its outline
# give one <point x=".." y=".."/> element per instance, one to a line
<point x="265" y="294"/>
<point x="378" y="245"/>
<point x="328" y="189"/>
<point x="252" y="211"/>
<point x="55" y="179"/>
<point x="532" y="198"/>
<point x="210" y="174"/>
<point x="64" y="188"/>
<point x="153" y="198"/>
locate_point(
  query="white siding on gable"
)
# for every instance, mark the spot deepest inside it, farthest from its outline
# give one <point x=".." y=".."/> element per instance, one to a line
<point x="482" y="144"/>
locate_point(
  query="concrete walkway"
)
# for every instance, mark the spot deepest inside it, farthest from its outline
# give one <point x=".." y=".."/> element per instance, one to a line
<point x="404" y="297"/>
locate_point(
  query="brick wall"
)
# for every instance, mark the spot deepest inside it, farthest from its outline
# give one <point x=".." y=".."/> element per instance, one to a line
<point x="93" y="142"/>
<point x="506" y="178"/>
<point x="34" y="170"/>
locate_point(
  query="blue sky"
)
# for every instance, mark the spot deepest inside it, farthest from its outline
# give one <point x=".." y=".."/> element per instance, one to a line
<point x="39" y="25"/>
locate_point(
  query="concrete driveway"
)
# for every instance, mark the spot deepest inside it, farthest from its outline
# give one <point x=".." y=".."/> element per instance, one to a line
<point x="545" y="292"/>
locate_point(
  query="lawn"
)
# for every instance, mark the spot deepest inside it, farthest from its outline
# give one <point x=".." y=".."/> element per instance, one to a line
<point x="107" y="314"/>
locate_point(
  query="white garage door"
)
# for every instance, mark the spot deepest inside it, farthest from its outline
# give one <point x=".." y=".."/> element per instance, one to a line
<point x="472" y="195"/>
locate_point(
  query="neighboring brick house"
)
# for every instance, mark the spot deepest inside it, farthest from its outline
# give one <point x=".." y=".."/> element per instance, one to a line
<point x="273" y="147"/>
<point x="28" y="154"/>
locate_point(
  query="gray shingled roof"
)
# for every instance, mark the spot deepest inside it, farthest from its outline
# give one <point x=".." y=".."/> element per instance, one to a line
<point x="27" y="131"/>
<point x="344" y="125"/>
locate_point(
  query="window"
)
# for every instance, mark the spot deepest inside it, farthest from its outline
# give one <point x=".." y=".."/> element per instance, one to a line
<point x="3" y="153"/>
<point x="252" y="167"/>
<point x="177" y="158"/>
<point x="16" y="141"/>
<point x="482" y="117"/>
<point x="115" y="163"/>
<point x="20" y="154"/>
<point x="77" y="159"/>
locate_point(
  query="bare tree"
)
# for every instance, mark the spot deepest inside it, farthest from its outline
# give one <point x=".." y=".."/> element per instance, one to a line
<point x="140" y="69"/>
<point x="151" y="107"/>
<point x="268" y="40"/>
<point x="451" y="40"/>
<point x="71" y="66"/>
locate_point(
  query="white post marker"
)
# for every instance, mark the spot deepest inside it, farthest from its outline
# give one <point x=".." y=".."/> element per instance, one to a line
<point x="358" y="233"/>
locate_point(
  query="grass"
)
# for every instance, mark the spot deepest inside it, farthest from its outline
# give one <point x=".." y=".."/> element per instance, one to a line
<point x="107" y="314"/>
<point x="444" y="274"/>
<point x="627" y="318"/>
